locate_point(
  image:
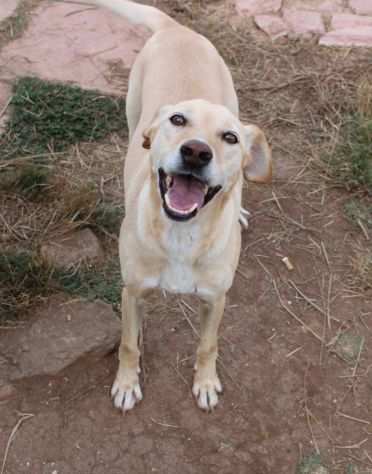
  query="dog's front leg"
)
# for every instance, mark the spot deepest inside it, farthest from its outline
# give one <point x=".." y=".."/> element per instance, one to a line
<point x="126" y="390"/>
<point x="206" y="381"/>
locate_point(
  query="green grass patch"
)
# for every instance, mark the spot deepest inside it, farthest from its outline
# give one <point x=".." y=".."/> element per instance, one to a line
<point x="103" y="283"/>
<point x="351" y="163"/>
<point x="24" y="278"/>
<point x="49" y="117"/>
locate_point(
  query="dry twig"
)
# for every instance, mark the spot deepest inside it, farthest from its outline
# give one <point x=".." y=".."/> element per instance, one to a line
<point x="24" y="417"/>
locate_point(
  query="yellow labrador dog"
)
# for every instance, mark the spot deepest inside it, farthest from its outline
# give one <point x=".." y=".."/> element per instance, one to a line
<point x="183" y="177"/>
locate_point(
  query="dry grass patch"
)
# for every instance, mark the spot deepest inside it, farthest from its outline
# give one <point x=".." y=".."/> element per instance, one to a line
<point x="13" y="26"/>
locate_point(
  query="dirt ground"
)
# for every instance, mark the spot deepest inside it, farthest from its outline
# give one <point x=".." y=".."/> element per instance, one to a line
<point x="290" y="389"/>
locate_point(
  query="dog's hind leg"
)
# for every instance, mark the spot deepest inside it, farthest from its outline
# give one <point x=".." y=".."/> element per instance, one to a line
<point x="126" y="390"/>
<point x="206" y="382"/>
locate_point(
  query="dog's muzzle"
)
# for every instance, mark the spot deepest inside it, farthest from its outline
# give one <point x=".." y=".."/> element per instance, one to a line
<point x="185" y="191"/>
<point x="183" y="194"/>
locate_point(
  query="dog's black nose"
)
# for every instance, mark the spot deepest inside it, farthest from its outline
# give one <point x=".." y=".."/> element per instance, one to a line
<point x="196" y="153"/>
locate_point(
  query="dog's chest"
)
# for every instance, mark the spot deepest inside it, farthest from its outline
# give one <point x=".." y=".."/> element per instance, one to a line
<point x="179" y="275"/>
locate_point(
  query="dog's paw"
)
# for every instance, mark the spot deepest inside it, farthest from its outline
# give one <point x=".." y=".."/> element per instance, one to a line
<point x="244" y="217"/>
<point x="205" y="391"/>
<point x="126" y="391"/>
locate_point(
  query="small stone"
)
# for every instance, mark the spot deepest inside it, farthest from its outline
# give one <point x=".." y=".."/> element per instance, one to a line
<point x="258" y="7"/>
<point x="342" y="21"/>
<point x="303" y="22"/>
<point x="348" y="37"/>
<point x="71" y="249"/>
<point x="272" y="25"/>
<point x="49" y="342"/>
<point x="7" y="8"/>
<point x="7" y="392"/>
<point x="362" y="7"/>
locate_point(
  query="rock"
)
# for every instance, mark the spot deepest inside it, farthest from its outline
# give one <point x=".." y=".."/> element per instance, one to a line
<point x="342" y="21"/>
<point x="7" y="8"/>
<point x="73" y="248"/>
<point x="362" y="7"/>
<point x="324" y="6"/>
<point x="330" y="6"/>
<point x="304" y="22"/>
<point x="66" y="42"/>
<point x="258" y="7"/>
<point x="61" y="333"/>
<point x="272" y="25"/>
<point x="348" y="37"/>
<point x="7" y="392"/>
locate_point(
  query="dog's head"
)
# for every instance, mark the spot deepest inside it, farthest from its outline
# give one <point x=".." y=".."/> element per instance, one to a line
<point x="199" y="150"/>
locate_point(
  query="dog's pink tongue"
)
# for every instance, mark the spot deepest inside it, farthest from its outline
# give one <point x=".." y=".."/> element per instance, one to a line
<point x="186" y="192"/>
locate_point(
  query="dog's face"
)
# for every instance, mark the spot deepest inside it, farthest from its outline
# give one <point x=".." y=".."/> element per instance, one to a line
<point x="199" y="150"/>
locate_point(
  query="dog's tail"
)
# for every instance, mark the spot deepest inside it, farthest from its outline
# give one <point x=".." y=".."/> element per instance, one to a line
<point x="136" y="13"/>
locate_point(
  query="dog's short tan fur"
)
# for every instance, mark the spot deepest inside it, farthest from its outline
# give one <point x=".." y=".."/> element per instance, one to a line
<point x="180" y="71"/>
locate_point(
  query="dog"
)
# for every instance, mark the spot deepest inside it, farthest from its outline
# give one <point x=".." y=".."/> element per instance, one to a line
<point x="183" y="176"/>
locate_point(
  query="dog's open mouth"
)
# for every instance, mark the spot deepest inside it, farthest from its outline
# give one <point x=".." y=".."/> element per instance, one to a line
<point x="184" y="194"/>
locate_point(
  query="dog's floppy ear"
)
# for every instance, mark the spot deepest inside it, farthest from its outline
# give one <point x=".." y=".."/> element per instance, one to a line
<point x="257" y="165"/>
<point x="149" y="132"/>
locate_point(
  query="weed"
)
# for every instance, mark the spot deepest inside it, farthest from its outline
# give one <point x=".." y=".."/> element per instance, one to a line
<point x="80" y="203"/>
<point x="13" y="26"/>
<point x="49" y="117"/>
<point x="311" y="465"/>
<point x="22" y="278"/>
<point x="32" y="180"/>
<point x="358" y="211"/>
<point x="108" y="217"/>
<point x="351" y="469"/>
<point x="361" y="263"/>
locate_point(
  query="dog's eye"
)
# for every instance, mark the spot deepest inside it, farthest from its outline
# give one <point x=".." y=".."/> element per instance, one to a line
<point x="230" y="138"/>
<point x="178" y="120"/>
